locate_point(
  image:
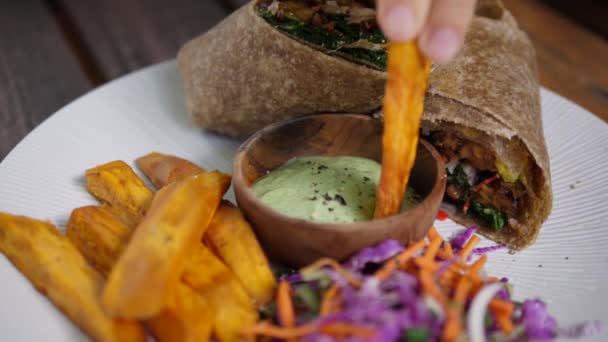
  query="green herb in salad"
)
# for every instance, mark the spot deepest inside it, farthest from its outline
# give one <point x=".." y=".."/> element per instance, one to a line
<point x="415" y="335"/>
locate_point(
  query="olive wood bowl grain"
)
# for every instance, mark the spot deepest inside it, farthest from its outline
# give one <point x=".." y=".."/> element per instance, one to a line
<point x="298" y="242"/>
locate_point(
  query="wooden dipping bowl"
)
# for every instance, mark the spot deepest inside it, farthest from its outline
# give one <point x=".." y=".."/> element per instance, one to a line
<point x="298" y="242"/>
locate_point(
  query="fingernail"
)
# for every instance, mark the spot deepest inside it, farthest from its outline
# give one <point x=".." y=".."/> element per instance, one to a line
<point x="398" y="23"/>
<point x="443" y="44"/>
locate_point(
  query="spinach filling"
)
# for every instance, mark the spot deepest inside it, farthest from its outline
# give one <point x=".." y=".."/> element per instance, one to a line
<point x="489" y="215"/>
<point x="335" y="35"/>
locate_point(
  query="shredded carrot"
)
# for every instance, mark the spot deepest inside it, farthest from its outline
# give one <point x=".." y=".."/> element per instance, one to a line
<point x="462" y="289"/>
<point x="433" y="248"/>
<point x="454" y="269"/>
<point x="468" y="247"/>
<point x="433" y="234"/>
<point x="503" y="312"/>
<point x="477" y="265"/>
<point x="317" y="265"/>
<point x="425" y="263"/>
<point x="394" y="263"/>
<point x="478" y="187"/>
<point x="269" y="330"/>
<point x="453" y="324"/>
<point x="500" y="305"/>
<point x="339" y="329"/>
<point x="328" y="302"/>
<point x="429" y="286"/>
<point x="492" y="279"/>
<point x="447" y="252"/>
<point x="449" y="279"/>
<point x="285" y="305"/>
<point x="505" y="323"/>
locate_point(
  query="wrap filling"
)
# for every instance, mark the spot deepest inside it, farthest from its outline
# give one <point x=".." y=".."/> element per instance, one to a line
<point x="478" y="183"/>
<point x="344" y="27"/>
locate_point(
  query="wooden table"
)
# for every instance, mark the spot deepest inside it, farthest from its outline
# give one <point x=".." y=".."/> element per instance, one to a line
<point x="51" y="51"/>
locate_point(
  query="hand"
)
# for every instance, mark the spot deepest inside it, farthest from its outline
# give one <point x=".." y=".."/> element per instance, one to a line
<point x="439" y="25"/>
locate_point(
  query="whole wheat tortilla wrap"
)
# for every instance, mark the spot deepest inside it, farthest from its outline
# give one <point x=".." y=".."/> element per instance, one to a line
<point x="482" y="111"/>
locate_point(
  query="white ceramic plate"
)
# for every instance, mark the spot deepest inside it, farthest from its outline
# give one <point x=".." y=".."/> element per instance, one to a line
<point x="143" y="112"/>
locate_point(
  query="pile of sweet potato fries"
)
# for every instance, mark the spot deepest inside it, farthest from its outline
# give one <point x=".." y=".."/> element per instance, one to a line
<point x="180" y="261"/>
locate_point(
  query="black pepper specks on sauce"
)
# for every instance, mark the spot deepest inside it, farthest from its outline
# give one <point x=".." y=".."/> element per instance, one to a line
<point x="340" y="199"/>
<point x="327" y="197"/>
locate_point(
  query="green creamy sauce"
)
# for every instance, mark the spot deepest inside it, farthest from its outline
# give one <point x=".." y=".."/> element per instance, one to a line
<point x="325" y="189"/>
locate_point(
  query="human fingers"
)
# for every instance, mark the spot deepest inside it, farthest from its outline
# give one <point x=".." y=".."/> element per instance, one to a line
<point x="402" y="20"/>
<point x="443" y="34"/>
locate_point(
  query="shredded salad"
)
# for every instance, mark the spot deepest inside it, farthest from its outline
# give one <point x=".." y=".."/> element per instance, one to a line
<point x="430" y="290"/>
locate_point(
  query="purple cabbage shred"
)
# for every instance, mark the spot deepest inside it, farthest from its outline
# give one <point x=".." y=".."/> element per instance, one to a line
<point x="460" y="239"/>
<point x="484" y="250"/>
<point x="538" y="324"/>
<point x="581" y="330"/>
<point x="376" y="254"/>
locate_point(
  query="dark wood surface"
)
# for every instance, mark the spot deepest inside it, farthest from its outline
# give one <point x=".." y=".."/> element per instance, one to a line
<point x="53" y="51"/>
<point x="38" y="71"/>
<point x="572" y="60"/>
<point x="589" y="13"/>
<point x="123" y="36"/>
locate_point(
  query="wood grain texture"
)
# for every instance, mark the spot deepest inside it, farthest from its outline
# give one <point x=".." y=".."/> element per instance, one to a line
<point x="38" y="73"/>
<point x="592" y="14"/>
<point x="123" y="36"/>
<point x="234" y="4"/>
<point x="572" y="60"/>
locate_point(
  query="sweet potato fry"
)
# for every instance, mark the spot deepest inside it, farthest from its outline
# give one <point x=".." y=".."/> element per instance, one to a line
<point x="233" y="309"/>
<point x="163" y="169"/>
<point x="188" y="317"/>
<point x="140" y="284"/>
<point x="56" y="269"/>
<point x="408" y="73"/>
<point x="116" y="185"/>
<point x="101" y="237"/>
<point x="231" y="238"/>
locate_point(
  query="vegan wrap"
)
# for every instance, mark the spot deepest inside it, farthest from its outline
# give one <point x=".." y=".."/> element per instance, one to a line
<point x="482" y="112"/>
<point x="270" y="61"/>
